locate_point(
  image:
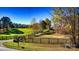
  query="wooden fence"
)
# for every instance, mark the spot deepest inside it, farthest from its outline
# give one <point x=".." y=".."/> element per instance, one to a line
<point x="48" y="40"/>
<point x="33" y="39"/>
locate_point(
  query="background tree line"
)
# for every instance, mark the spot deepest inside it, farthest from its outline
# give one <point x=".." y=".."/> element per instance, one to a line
<point x="5" y="22"/>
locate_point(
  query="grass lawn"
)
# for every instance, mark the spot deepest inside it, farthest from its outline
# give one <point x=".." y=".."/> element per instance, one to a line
<point x="13" y="33"/>
<point x="38" y="47"/>
<point x="29" y="46"/>
<point x="26" y="30"/>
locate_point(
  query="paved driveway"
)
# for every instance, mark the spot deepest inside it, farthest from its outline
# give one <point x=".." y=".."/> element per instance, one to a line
<point x="2" y="48"/>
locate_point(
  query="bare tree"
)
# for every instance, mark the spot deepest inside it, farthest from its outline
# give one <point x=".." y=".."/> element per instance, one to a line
<point x="69" y="14"/>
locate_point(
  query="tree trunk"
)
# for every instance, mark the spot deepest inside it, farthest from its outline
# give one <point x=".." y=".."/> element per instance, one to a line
<point x="77" y="42"/>
<point x="74" y="27"/>
<point x="73" y="33"/>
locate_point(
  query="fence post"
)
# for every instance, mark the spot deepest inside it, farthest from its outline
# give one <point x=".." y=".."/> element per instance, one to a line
<point x="32" y="40"/>
<point x="40" y="40"/>
<point x="48" y="40"/>
<point x="57" y="41"/>
<point x="51" y="41"/>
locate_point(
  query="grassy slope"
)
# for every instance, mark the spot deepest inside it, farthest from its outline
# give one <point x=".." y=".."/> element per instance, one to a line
<point x="29" y="46"/>
<point x="38" y="47"/>
<point x="13" y="34"/>
<point x="25" y="30"/>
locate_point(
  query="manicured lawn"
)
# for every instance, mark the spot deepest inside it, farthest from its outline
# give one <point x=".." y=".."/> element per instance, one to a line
<point x="26" y="30"/>
<point x="38" y="47"/>
<point x="29" y="46"/>
<point x="16" y="30"/>
<point x="15" y="33"/>
<point x="7" y="37"/>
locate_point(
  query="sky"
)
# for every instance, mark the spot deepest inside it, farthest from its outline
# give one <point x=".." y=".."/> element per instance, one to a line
<point x="24" y="15"/>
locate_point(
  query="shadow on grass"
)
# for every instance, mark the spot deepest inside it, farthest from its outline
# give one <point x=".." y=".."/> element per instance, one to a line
<point x="14" y="31"/>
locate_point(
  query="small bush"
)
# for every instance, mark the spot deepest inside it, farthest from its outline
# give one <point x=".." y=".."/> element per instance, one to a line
<point x="48" y="31"/>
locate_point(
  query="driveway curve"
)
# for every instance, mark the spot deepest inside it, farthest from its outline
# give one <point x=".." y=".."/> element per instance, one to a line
<point x="3" y="48"/>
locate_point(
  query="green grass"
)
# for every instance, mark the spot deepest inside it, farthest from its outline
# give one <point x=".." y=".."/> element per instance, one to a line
<point x="14" y="31"/>
<point x="26" y="30"/>
<point x="11" y="36"/>
<point x="30" y="46"/>
<point x="17" y="32"/>
<point x="37" y="47"/>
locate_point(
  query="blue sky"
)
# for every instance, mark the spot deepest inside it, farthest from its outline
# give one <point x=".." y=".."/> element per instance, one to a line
<point x="24" y="15"/>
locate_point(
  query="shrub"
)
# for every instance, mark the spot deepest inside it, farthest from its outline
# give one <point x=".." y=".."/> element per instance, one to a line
<point x="46" y="31"/>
